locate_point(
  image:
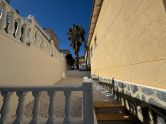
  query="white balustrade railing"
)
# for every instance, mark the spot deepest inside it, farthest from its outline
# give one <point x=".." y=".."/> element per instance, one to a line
<point x="25" y="30"/>
<point x="86" y="88"/>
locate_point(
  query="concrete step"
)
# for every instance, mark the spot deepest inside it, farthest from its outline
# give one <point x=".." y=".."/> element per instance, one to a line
<point x="76" y="73"/>
<point x="115" y="122"/>
<point x="107" y="105"/>
<point x="102" y="116"/>
<point x="111" y="113"/>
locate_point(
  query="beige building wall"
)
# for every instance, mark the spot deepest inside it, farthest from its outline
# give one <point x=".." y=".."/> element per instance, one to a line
<point x="131" y="42"/>
<point x="21" y="64"/>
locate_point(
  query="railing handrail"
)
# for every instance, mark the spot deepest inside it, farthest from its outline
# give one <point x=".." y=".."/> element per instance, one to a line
<point x="109" y="80"/>
<point x="21" y="91"/>
<point x="154" y="89"/>
<point x="40" y="88"/>
<point x="137" y="98"/>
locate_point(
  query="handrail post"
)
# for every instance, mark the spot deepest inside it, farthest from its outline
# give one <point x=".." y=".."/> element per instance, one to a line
<point x="88" y="103"/>
<point x="31" y="21"/>
<point x="67" y="120"/>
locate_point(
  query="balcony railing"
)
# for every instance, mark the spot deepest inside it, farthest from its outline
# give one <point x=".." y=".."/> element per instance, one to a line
<point x="7" y="91"/>
<point x="147" y="103"/>
<point x="25" y="30"/>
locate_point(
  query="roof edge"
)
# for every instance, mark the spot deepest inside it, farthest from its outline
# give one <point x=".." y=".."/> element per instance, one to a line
<point x="97" y="4"/>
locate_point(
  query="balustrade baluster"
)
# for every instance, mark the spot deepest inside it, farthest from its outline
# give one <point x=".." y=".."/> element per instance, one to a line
<point x="38" y="39"/>
<point x="41" y="43"/>
<point x="11" y="26"/>
<point x="5" y="107"/>
<point x="20" y="108"/>
<point x="18" y="29"/>
<point x="51" y="118"/>
<point x="3" y="18"/>
<point x="36" y="108"/>
<point x="52" y="48"/>
<point x="67" y="107"/>
<point x="44" y="44"/>
<point x="24" y="35"/>
<point x="29" y="36"/>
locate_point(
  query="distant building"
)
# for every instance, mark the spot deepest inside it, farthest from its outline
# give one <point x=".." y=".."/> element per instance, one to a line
<point x="81" y="59"/>
<point x="53" y="37"/>
<point x="82" y="62"/>
<point x="64" y="51"/>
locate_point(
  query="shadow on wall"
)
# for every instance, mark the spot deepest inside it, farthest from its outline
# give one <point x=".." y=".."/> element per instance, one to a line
<point x="164" y="4"/>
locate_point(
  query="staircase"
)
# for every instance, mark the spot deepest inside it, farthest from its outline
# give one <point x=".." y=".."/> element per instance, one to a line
<point x="110" y="110"/>
<point x="112" y="113"/>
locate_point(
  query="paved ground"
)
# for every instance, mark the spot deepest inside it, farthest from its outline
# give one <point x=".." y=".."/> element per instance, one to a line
<point x="76" y="100"/>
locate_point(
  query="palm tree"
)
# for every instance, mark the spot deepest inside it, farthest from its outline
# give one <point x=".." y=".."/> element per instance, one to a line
<point x="76" y="37"/>
<point x="69" y="60"/>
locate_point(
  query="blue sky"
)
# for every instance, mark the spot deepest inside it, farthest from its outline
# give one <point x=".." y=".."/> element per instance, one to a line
<point x="58" y="15"/>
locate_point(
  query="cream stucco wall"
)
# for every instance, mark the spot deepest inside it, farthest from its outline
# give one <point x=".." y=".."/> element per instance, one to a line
<point x="131" y="42"/>
<point x="27" y="65"/>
